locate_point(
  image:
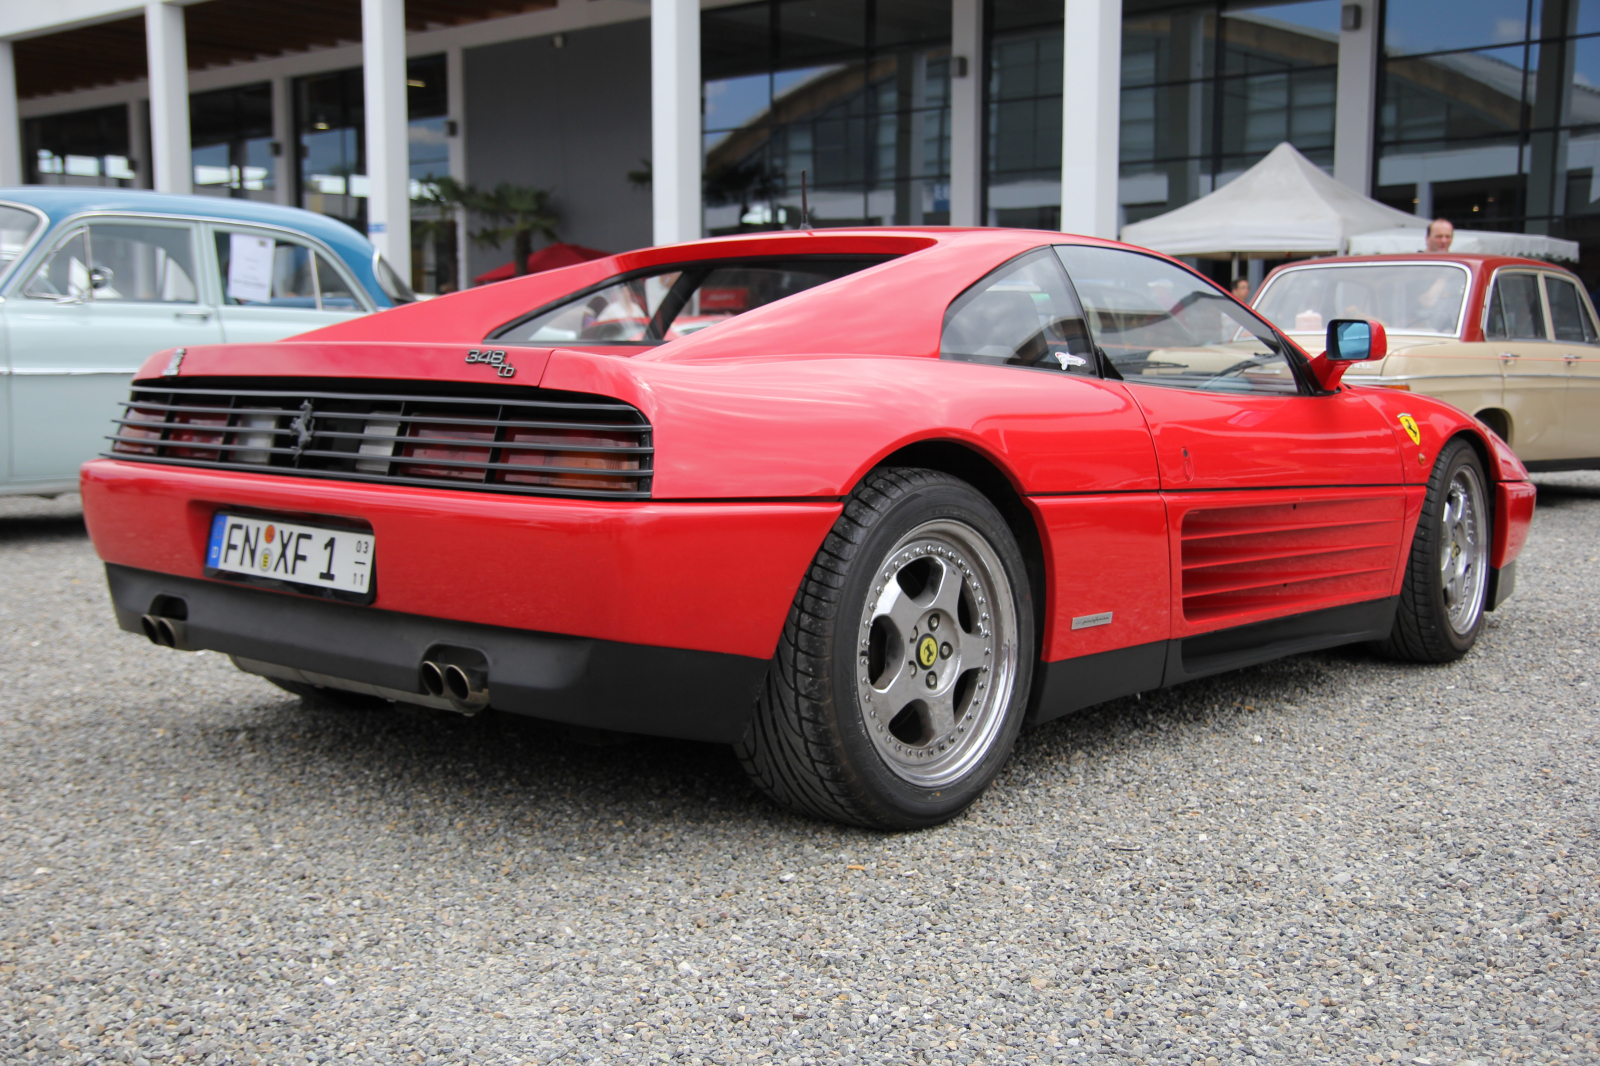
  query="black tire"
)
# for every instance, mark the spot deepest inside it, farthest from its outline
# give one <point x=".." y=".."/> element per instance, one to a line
<point x="1431" y="625"/>
<point x="818" y="742"/>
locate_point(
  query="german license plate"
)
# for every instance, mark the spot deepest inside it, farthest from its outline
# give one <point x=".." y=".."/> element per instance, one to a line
<point x="338" y="559"/>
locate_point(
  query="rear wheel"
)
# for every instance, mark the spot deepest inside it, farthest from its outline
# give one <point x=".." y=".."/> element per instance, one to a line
<point x="903" y="670"/>
<point x="1447" y="577"/>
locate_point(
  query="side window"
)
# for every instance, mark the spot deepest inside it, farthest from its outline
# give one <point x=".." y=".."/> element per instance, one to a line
<point x="1515" y="311"/>
<point x="1158" y="324"/>
<point x="1023" y="314"/>
<point x="141" y="262"/>
<point x="258" y="270"/>
<point x="336" y="294"/>
<point x="65" y="275"/>
<point x="1568" y="315"/>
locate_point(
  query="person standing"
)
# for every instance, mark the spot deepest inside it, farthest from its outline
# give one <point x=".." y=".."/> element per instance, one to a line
<point x="1440" y="233"/>
<point x="1241" y="290"/>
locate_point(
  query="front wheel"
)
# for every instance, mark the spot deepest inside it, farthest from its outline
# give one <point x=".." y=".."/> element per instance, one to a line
<point x="903" y="669"/>
<point x="1446" y="586"/>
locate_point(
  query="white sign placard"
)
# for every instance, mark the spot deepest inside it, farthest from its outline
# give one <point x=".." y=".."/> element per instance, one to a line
<point x="250" y="267"/>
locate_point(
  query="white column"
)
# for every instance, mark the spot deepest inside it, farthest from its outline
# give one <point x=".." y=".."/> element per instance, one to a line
<point x="675" y="120"/>
<point x="1355" y="107"/>
<point x="383" y="59"/>
<point x="966" y="113"/>
<point x="455" y="87"/>
<point x="168" y="56"/>
<point x="139" y="143"/>
<point x="10" y="125"/>
<point x="287" y="161"/>
<point x="1091" y="107"/>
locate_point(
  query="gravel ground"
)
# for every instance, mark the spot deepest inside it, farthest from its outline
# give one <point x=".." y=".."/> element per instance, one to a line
<point x="1327" y="859"/>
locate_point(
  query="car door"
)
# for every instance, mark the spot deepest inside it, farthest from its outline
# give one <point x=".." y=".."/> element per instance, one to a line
<point x="107" y="295"/>
<point x="1577" y="341"/>
<point x="1516" y="328"/>
<point x="1280" y="502"/>
<point x="272" y="284"/>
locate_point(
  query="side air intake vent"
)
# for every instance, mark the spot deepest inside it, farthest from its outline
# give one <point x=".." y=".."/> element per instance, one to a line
<point x="528" y="441"/>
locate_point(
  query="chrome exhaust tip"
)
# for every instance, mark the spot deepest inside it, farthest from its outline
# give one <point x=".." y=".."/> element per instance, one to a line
<point x="170" y="630"/>
<point x="433" y="678"/>
<point x="159" y="629"/>
<point x="466" y="686"/>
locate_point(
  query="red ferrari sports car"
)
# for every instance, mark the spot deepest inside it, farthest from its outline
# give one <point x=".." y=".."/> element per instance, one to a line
<point x="898" y="493"/>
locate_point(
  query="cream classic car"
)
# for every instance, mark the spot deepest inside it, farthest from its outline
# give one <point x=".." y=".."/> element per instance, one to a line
<point x="1512" y="341"/>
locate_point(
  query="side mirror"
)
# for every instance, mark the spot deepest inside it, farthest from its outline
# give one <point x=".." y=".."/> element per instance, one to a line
<point x="1350" y="341"/>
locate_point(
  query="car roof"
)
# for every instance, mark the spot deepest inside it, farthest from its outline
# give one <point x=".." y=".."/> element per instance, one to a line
<point x="62" y="201"/>
<point x="1470" y="259"/>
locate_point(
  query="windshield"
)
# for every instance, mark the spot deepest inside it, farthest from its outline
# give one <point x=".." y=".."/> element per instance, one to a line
<point x="17" y="228"/>
<point x="392" y="284"/>
<point x="674" y="302"/>
<point x="1405" y="297"/>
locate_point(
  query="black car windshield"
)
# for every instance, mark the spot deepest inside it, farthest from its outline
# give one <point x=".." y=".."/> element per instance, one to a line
<point x="656" y="306"/>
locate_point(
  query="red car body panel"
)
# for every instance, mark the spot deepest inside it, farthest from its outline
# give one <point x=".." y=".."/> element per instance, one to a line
<point x="1180" y="512"/>
<point x="1513" y="509"/>
<point x="661" y="574"/>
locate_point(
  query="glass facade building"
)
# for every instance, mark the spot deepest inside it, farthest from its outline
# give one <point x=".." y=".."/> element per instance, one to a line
<point x="855" y="95"/>
<point x="91" y="147"/>
<point x="1491" y="117"/>
<point x="1486" y="112"/>
<point x="330" y="146"/>
<point x="230" y="137"/>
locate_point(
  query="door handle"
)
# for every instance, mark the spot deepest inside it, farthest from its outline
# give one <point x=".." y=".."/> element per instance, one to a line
<point x="201" y="315"/>
<point x="1570" y="358"/>
<point x="1506" y="357"/>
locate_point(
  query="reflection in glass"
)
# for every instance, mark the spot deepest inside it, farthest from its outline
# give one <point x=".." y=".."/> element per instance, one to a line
<point x="869" y="128"/>
<point x="1024" y="314"/>
<point x="1406" y="298"/>
<point x="1418" y="26"/>
<point x="653" y="308"/>
<point x="79" y="148"/>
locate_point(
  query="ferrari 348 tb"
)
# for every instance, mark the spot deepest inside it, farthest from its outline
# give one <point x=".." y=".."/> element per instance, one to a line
<point x="859" y="503"/>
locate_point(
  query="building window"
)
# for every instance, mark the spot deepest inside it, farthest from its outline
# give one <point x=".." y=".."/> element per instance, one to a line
<point x="1208" y="89"/>
<point x="330" y="134"/>
<point x="79" y="148"/>
<point x="1494" y="122"/>
<point x="230" y="131"/>
<point x="855" y="95"/>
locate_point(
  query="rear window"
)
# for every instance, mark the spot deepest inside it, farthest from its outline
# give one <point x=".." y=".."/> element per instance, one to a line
<point x="658" y="306"/>
<point x="1405" y="297"/>
<point x="17" y="228"/>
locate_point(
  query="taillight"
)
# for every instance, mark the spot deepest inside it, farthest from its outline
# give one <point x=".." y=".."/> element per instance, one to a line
<point x="566" y="458"/>
<point x="186" y="428"/>
<point x="142" y="423"/>
<point x="453" y="456"/>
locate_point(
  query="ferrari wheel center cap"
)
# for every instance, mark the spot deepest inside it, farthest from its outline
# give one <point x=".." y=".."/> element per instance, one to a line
<point x="927" y="651"/>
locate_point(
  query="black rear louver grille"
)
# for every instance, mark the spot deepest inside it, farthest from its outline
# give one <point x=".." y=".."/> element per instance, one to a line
<point x="528" y="441"/>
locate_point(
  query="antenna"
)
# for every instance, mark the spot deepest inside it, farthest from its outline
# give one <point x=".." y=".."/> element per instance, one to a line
<point x="805" y="210"/>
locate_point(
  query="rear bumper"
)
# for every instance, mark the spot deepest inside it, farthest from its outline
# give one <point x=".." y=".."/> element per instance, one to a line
<point x="693" y="695"/>
<point x="714" y="576"/>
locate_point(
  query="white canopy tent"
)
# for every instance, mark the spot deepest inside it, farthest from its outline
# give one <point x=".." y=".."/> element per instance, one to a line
<point x="1482" y="242"/>
<point x="1283" y="206"/>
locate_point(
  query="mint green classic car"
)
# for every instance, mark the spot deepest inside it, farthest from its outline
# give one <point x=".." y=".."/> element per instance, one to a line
<point x="93" y="281"/>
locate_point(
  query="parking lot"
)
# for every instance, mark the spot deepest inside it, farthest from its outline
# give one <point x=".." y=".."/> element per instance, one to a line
<point x="1327" y="859"/>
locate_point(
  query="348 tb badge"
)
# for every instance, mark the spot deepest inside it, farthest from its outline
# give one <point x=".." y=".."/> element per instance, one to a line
<point x="494" y="357"/>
